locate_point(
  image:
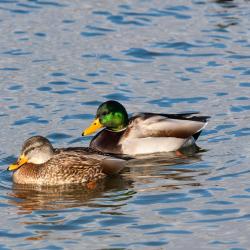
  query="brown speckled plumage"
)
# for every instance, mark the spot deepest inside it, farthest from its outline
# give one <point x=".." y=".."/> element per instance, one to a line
<point x="67" y="166"/>
<point x="62" y="168"/>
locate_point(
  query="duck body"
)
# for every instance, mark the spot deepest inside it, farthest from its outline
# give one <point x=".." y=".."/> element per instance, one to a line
<point x="64" y="166"/>
<point x="147" y="133"/>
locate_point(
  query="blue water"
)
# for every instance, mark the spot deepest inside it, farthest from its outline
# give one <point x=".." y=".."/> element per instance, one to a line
<point x="60" y="59"/>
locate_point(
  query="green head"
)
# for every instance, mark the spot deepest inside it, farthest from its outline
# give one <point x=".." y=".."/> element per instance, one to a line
<point x="111" y="115"/>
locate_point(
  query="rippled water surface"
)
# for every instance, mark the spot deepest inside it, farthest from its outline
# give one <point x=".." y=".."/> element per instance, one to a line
<point x="60" y="59"/>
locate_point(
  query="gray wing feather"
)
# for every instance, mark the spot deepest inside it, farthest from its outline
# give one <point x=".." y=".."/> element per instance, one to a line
<point x="161" y="126"/>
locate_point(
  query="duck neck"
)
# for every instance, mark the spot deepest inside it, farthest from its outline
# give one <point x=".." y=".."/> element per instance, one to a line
<point x="117" y="130"/>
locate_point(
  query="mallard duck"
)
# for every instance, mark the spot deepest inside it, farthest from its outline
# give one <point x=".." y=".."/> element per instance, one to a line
<point x="40" y="164"/>
<point x="143" y="133"/>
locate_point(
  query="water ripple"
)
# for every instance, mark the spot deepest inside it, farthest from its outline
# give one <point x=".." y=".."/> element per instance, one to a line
<point x="30" y="119"/>
<point x="61" y="60"/>
<point x="168" y="102"/>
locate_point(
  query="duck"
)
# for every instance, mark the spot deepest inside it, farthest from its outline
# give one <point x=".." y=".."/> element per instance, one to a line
<point x="41" y="164"/>
<point x="142" y="133"/>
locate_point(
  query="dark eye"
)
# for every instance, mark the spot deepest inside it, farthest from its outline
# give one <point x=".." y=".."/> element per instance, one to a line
<point x="28" y="150"/>
<point x="105" y="113"/>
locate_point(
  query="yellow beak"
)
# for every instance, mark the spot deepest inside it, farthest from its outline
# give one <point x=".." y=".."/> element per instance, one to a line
<point x="93" y="127"/>
<point x="21" y="160"/>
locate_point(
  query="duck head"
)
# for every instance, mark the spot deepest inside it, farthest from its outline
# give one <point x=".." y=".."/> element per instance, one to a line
<point x="110" y="115"/>
<point x="35" y="150"/>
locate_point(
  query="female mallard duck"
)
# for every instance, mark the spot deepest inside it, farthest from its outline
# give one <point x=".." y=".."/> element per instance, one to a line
<point x="143" y="133"/>
<point x="40" y="164"/>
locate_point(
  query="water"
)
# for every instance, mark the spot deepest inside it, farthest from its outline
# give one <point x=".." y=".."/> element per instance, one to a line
<point x="60" y="59"/>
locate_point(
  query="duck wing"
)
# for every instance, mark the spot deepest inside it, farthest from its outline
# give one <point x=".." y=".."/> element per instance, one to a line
<point x="109" y="164"/>
<point x="166" y="125"/>
<point x="75" y="163"/>
<point x="182" y="116"/>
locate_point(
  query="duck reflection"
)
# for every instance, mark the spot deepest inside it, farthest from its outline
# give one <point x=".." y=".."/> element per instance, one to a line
<point x="226" y="16"/>
<point x="166" y="171"/>
<point x="227" y="3"/>
<point x="30" y="197"/>
<point x="143" y="173"/>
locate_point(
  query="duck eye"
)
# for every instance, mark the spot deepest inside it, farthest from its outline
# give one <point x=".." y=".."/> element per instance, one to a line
<point x="28" y="150"/>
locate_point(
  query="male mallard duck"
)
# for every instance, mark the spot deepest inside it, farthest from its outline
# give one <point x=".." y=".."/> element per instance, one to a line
<point x="40" y="164"/>
<point x="143" y="133"/>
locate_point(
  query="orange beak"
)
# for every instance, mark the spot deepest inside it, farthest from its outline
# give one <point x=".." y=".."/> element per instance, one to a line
<point x="21" y="160"/>
<point x="93" y="127"/>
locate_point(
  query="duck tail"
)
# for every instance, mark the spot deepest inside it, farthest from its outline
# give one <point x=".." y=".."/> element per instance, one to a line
<point x="196" y="135"/>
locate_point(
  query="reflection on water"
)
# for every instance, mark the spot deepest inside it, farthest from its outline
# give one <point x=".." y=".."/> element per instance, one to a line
<point x="29" y="198"/>
<point x="43" y="210"/>
<point x="227" y="3"/>
<point x="174" y="171"/>
<point x="154" y="56"/>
